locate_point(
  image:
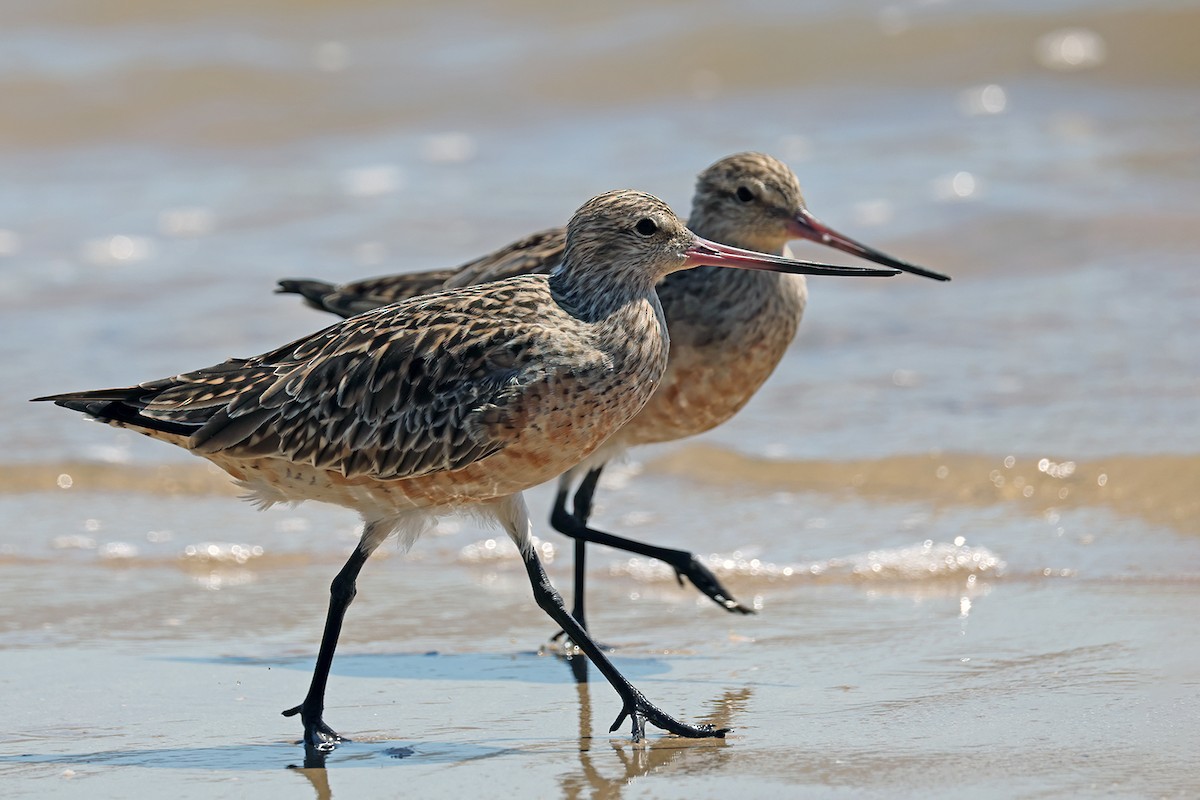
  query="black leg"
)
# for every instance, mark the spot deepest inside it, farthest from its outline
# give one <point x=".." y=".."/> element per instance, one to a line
<point x="580" y="577"/>
<point x="560" y="518"/>
<point x="578" y="666"/>
<point x="636" y="706"/>
<point x="582" y="511"/>
<point x="317" y="734"/>
<point x="586" y="493"/>
<point x="565" y="522"/>
<point x="685" y="564"/>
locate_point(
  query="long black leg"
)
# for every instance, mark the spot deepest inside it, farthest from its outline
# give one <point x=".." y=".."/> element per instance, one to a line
<point x="685" y="564"/>
<point x="341" y="593"/>
<point x="636" y="706"/>
<point x="582" y="512"/>
<point x="565" y="522"/>
<point x="586" y="493"/>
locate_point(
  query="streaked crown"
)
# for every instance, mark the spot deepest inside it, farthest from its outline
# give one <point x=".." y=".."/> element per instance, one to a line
<point x="747" y="200"/>
<point x="630" y="237"/>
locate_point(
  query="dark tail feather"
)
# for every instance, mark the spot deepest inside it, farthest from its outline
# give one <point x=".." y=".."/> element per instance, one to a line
<point x="115" y="405"/>
<point x="313" y="292"/>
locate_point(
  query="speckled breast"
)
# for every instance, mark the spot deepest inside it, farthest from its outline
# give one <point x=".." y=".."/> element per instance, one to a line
<point x="729" y="330"/>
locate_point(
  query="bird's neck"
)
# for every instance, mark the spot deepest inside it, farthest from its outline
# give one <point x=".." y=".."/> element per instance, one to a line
<point x="626" y="322"/>
<point x="596" y="297"/>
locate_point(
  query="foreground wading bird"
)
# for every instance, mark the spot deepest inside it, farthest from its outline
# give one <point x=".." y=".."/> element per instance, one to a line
<point x="462" y="398"/>
<point x="729" y="329"/>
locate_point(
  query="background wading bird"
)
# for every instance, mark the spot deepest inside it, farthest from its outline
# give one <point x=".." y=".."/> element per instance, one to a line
<point x="462" y="398"/>
<point x="729" y="330"/>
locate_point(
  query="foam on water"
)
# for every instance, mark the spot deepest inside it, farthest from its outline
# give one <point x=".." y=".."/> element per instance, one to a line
<point x="925" y="561"/>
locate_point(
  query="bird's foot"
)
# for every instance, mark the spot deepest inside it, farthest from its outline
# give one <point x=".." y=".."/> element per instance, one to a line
<point x="703" y="579"/>
<point x="317" y="735"/>
<point x="640" y="711"/>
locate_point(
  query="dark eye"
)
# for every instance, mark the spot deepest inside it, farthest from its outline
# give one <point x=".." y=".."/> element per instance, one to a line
<point x="744" y="194"/>
<point x="646" y="227"/>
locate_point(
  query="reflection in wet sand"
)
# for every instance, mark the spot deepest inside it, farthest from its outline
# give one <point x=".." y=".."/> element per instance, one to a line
<point x="660" y="755"/>
<point x="599" y="776"/>
<point x="313" y="770"/>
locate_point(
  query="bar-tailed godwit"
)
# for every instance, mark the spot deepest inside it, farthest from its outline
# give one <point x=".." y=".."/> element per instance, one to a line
<point x="729" y="329"/>
<point x="461" y="398"/>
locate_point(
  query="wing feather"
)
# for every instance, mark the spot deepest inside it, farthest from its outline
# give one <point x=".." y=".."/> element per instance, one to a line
<point x="427" y="385"/>
<point x="537" y="253"/>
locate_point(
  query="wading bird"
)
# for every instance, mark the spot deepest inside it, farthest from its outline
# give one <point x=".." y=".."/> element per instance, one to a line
<point x="462" y="398"/>
<point x="729" y="330"/>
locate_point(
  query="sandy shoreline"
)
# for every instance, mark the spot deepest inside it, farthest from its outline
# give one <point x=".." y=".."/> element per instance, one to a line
<point x="1157" y="488"/>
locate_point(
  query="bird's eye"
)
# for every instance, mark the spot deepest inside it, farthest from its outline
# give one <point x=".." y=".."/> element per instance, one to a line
<point x="744" y="194"/>
<point x="646" y="227"/>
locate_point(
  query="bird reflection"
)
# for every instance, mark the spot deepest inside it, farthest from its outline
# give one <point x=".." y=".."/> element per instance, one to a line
<point x="314" y="772"/>
<point x="578" y="664"/>
<point x="594" y="780"/>
<point x="599" y="776"/>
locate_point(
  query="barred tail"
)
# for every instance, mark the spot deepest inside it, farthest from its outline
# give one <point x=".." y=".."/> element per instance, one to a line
<point x="315" y="293"/>
<point x="119" y="406"/>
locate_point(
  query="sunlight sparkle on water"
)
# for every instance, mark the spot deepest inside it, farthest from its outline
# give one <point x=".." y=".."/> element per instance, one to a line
<point x="983" y="100"/>
<point x="1055" y="470"/>
<point x="73" y="542"/>
<point x="221" y="552"/>
<point x="119" y="249"/>
<point x="503" y="550"/>
<point x="960" y="185"/>
<point x="1071" y="49"/>
<point x="118" y="551"/>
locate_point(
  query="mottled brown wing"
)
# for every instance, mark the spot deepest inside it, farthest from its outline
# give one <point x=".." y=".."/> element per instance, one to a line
<point x="359" y="296"/>
<point x="356" y="297"/>
<point x="536" y="254"/>
<point x="427" y="385"/>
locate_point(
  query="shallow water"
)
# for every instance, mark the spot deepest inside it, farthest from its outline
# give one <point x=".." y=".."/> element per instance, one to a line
<point x="967" y="513"/>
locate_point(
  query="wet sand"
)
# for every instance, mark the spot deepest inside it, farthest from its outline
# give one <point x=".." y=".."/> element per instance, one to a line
<point x="1037" y="656"/>
<point x="966" y="513"/>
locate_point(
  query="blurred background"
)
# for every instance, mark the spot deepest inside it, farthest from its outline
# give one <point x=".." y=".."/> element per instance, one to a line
<point x="986" y="488"/>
